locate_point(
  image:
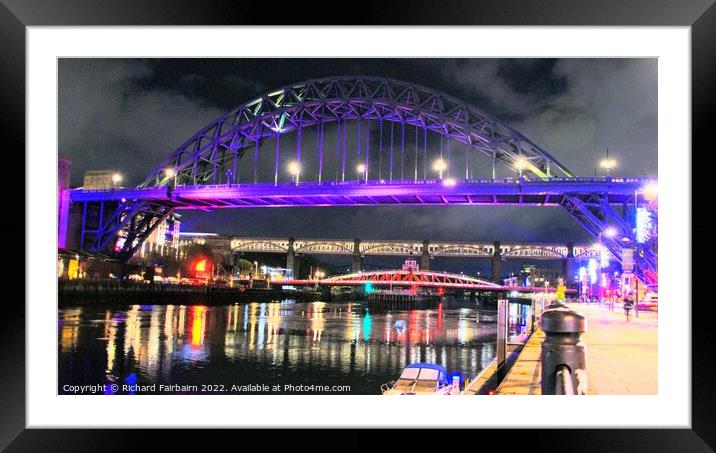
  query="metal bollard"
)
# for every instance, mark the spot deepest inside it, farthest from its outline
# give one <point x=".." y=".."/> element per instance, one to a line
<point x="563" y="346"/>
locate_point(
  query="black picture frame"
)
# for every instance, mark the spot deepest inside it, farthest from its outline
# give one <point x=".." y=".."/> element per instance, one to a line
<point x="700" y="15"/>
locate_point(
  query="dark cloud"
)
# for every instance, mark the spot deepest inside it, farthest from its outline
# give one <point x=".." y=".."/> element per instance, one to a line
<point x="108" y="121"/>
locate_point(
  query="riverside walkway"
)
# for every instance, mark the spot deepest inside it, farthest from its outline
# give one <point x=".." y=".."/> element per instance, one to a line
<point x="622" y="357"/>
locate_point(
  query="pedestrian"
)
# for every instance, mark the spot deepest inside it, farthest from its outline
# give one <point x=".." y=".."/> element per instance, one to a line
<point x="628" y="304"/>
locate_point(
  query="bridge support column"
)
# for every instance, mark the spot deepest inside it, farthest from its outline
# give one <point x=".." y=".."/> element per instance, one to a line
<point x="291" y="258"/>
<point x="568" y="266"/>
<point x="357" y="259"/>
<point x="425" y="258"/>
<point x="496" y="263"/>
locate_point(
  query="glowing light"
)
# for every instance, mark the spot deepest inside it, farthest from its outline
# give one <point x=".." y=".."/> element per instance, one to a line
<point x="651" y="191"/>
<point x="592" y="268"/>
<point x="439" y="165"/>
<point x="116" y="178"/>
<point x="582" y="273"/>
<point x="520" y="163"/>
<point x="368" y="287"/>
<point x="643" y="225"/>
<point x="294" y="168"/>
<point x="200" y="266"/>
<point x="361" y="168"/>
<point x="450" y="182"/>
<point x="609" y="232"/>
<point x="170" y="172"/>
<point x="604" y="256"/>
<point x="608" y="164"/>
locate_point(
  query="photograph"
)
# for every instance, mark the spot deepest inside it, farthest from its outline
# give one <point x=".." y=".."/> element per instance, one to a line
<point x="357" y="226"/>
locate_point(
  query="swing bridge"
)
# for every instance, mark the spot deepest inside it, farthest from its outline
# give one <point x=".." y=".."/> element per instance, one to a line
<point x="359" y="141"/>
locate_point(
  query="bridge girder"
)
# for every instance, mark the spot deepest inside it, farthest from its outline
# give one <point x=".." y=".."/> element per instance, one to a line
<point x="410" y="248"/>
<point x="219" y="146"/>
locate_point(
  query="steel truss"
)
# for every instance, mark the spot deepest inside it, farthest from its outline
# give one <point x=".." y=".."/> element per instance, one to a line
<point x="212" y="155"/>
<point x="120" y="228"/>
<point x="408" y="248"/>
<point x="595" y="214"/>
<point x="417" y="278"/>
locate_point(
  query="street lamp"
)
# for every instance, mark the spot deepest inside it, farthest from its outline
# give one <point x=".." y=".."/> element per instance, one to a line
<point x="608" y="163"/>
<point x="256" y="265"/>
<point x="294" y="168"/>
<point x="440" y="166"/>
<point x="362" y="173"/>
<point x="116" y="178"/>
<point x="171" y="173"/>
<point x="520" y="164"/>
<point x="651" y="191"/>
<point x="610" y="232"/>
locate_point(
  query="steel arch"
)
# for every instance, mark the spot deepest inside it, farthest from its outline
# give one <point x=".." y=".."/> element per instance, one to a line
<point x="405" y="277"/>
<point x="219" y="145"/>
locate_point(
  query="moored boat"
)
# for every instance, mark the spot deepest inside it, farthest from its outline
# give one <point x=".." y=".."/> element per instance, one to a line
<point x="421" y="379"/>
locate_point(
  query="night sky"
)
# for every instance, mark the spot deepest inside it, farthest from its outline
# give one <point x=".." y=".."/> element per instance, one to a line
<point x="127" y="115"/>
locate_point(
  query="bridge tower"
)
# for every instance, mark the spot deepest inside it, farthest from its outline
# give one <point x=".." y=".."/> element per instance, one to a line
<point x="425" y="258"/>
<point x="496" y="262"/>
<point x="291" y="262"/>
<point x="64" y="165"/>
<point x="568" y="266"/>
<point x="357" y="259"/>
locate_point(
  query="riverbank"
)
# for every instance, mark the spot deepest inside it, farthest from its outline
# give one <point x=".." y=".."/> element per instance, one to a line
<point x="84" y="292"/>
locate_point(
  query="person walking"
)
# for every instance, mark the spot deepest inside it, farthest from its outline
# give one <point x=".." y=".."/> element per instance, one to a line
<point x="628" y="304"/>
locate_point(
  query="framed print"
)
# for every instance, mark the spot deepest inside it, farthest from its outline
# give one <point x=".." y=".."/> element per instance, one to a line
<point x="272" y="226"/>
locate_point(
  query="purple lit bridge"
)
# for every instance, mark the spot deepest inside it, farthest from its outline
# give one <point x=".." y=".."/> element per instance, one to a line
<point x="358" y="141"/>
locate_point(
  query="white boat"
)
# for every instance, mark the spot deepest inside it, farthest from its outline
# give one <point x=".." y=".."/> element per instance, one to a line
<point x="421" y="379"/>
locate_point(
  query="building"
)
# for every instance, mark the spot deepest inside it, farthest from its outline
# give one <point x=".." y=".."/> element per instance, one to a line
<point x="164" y="240"/>
<point x="533" y="276"/>
<point x="101" y="179"/>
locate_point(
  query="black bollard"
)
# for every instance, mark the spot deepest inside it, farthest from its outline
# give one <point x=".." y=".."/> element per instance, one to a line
<point x="562" y="347"/>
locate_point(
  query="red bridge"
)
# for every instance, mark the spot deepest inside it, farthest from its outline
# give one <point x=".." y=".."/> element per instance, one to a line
<point x="416" y="279"/>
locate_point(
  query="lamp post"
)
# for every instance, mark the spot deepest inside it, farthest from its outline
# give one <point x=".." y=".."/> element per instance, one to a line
<point x="172" y="175"/>
<point x="520" y="165"/>
<point x="440" y="166"/>
<point x="294" y="168"/>
<point x="607" y="163"/>
<point x="362" y="172"/>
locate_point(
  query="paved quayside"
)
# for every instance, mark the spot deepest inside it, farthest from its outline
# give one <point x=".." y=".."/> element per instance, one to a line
<point x="622" y="357"/>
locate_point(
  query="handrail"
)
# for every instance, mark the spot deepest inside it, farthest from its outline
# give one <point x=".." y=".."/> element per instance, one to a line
<point x="563" y="383"/>
<point x="526" y="181"/>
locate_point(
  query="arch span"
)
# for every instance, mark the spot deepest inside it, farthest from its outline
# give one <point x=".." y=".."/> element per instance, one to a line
<point x="212" y="154"/>
<point x="407" y="278"/>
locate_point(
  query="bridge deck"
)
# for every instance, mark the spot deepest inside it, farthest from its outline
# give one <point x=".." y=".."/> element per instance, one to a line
<point x="542" y="192"/>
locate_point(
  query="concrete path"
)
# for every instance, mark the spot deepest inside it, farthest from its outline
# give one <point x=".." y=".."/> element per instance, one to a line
<point x="622" y="357"/>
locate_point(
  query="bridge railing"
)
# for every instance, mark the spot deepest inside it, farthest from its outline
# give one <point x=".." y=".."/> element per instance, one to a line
<point x="355" y="182"/>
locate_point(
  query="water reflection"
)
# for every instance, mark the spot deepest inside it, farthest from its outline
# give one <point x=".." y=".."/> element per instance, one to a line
<point x="271" y="343"/>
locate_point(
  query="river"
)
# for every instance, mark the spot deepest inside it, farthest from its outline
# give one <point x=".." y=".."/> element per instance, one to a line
<point x="278" y="347"/>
